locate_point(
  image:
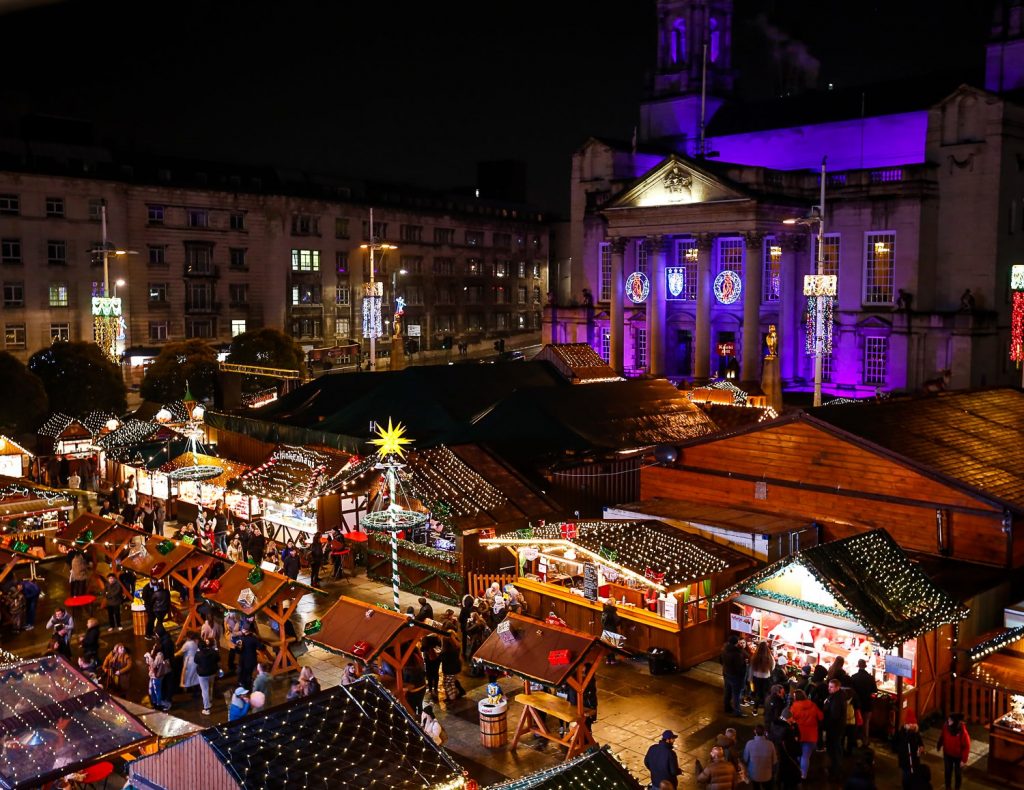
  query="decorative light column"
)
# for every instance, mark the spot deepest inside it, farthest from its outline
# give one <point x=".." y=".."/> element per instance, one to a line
<point x="373" y="295"/>
<point x="1017" y="316"/>
<point x="616" y="313"/>
<point x="393" y="518"/>
<point x="656" y="306"/>
<point x="702" y="328"/>
<point x="753" y="273"/>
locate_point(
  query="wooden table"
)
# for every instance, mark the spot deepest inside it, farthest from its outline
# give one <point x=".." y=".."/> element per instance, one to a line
<point x="577" y="739"/>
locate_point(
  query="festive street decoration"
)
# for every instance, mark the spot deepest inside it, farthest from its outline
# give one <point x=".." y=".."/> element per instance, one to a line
<point x="728" y="287"/>
<point x="638" y="287"/>
<point x="448" y="487"/>
<point x="373" y="294"/>
<point x="393" y="517"/>
<point x="293" y="475"/>
<point x="995" y="643"/>
<point x="820" y="290"/>
<point x="869" y="579"/>
<point x="1017" y="316"/>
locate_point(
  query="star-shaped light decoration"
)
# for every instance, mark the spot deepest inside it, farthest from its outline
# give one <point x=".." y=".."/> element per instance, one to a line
<point x="392" y="440"/>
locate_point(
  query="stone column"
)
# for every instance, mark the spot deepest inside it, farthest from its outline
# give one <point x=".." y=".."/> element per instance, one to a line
<point x="658" y="246"/>
<point x="753" y="270"/>
<point x="791" y="302"/>
<point x="702" y="329"/>
<point x="615" y="313"/>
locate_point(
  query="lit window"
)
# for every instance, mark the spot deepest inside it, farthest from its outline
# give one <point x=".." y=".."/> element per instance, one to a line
<point x="830" y="254"/>
<point x="305" y="260"/>
<point x="237" y="326"/>
<point x="730" y="255"/>
<point x="58" y="294"/>
<point x="876" y="359"/>
<point x="605" y="254"/>
<point x="772" y="270"/>
<point x="641" y="348"/>
<point x="879" y="267"/>
<point x="60" y="333"/>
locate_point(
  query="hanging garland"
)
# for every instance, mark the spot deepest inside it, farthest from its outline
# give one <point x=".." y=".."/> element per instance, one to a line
<point x="450" y="557"/>
<point x="799" y="603"/>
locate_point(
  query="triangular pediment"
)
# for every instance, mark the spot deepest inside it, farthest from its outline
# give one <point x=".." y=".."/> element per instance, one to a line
<point x="676" y="182"/>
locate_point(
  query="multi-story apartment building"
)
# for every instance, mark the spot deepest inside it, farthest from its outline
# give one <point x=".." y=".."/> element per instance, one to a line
<point x="215" y="251"/>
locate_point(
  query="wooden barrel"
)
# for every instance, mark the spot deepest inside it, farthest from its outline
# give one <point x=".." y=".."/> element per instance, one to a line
<point x="493" y="724"/>
<point x="138" y="621"/>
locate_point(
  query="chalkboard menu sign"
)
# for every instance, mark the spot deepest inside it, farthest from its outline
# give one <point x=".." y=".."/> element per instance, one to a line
<point x="590" y="581"/>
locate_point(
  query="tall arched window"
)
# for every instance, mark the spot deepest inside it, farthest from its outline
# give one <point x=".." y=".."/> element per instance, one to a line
<point x="714" y="44"/>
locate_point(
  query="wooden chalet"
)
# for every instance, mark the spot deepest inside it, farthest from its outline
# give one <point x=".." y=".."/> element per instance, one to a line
<point x="943" y="474"/>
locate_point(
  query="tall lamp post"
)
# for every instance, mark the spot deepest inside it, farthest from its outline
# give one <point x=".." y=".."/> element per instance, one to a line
<point x="820" y="290"/>
<point x="373" y="293"/>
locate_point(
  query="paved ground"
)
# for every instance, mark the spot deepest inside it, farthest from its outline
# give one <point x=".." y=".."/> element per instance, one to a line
<point x="634" y="707"/>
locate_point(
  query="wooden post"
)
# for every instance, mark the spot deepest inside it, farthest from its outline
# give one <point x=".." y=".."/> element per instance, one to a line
<point x="284" y="659"/>
<point x="899" y="693"/>
<point x="190" y="578"/>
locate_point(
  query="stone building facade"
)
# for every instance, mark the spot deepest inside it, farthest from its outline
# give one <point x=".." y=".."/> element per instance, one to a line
<point x="924" y="216"/>
<point x="215" y="252"/>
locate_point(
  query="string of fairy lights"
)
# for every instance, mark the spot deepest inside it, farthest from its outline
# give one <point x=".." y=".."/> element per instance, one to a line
<point x="291" y="474"/>
<point x="350" y="736"/>
<point x="909" y="602"/>
<point x="598" y="769"/>
<point x="438" y="477"/>
<point x="45" y="695"/>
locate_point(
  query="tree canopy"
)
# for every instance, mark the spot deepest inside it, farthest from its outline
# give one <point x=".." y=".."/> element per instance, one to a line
<point x="193" y="361"/>
<point x="268" y="348"/>
<point x="79" y="379"/>
<point x="24" y="404"/>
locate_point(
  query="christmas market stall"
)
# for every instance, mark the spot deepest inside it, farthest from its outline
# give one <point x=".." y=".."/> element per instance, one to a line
<point x="989" y="690"/>
<point x="250" y="590"/>
<point x="368" y="634"/>
<point x="657" y="579"/>
<point x="32" y="515"/>
<point x="596" y="769"/>
<point x="552" y="657"/>
<point x="857" y="598"/>
<point x="293" y="492"/>
<point x="198" y="480"/>
<point x="55" y="722"/>
<point x="15" y="460"/>
<point x="65" y="445"/>
<point x="355" y="736"/>
<point x="137" y="448"/>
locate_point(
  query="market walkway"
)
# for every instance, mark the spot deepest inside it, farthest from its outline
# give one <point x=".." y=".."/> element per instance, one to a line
<point x="634" y="707"/>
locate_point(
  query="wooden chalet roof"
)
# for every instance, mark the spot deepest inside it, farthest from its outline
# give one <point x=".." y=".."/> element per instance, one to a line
<point x="270" y="587"/>
<point x="19" y="497"/>
<point x="527" y="656"/>
<point x="355" y="736"/>
<point x="146" y="559"/>
<point x="730" y="518"/>
<point x="872" y="580"/>
<point x="350" y="621"/>
<point x="293" y="474"/>
<point x="974" y="438"/>
<point x="597" y="769"/>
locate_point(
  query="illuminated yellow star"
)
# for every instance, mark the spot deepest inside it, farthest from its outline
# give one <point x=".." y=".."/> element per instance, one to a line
<point x="391" y="439"/>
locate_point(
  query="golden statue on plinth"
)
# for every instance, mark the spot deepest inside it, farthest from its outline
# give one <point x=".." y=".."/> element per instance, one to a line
<point x="772" y="341"/>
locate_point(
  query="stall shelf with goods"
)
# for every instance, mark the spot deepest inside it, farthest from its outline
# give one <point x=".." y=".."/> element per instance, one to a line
<point x="348" y="736"/>
<point x="857" y="598"/>
<point x="32" y="515"/>
<point x="657" y="578"/>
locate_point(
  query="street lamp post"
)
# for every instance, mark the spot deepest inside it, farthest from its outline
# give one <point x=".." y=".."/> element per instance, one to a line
<point x="372" y="291"/>
<point x="819" y="286"/>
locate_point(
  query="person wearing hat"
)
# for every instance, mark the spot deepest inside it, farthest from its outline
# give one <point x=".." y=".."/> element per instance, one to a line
<point x="662" y="762"/>
<point x="239" y="703"/>
<point x="864" y="688"/>
<point x="780" y="674"/>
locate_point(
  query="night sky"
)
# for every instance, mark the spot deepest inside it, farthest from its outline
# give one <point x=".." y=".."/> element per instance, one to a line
<point x="407" y="91"/>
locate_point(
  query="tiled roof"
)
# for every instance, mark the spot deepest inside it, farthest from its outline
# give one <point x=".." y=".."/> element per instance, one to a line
<point x="975" y="438"/>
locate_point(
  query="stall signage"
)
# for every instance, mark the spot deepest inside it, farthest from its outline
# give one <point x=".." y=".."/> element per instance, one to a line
<point x="530" y="553"/>
<point x="590" y="581"/>
<point x="727" y="349"/>
<point x="744" y="625"/>
<point x="299" y="458"/>
<point x="899" y="666"/>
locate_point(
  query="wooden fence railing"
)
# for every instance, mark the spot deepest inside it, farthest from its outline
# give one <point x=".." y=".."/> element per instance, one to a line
<point x="479" y="582"/>
<point x="979" y="702"/>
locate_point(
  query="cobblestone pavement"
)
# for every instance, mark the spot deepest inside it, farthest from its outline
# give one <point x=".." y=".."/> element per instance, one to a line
<point x="634" y="707"/>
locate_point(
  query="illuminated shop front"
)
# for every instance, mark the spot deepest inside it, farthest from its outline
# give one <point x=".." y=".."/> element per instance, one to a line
<point x="856" y="598"/>
<point x="659" y="579"/>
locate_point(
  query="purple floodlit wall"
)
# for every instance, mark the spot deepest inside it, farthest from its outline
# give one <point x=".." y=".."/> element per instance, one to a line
<point x="880" y="141"/>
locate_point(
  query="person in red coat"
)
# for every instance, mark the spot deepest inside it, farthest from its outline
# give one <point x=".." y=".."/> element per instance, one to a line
<point x="955" y="744"/>
<point x="806" y="715"/>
